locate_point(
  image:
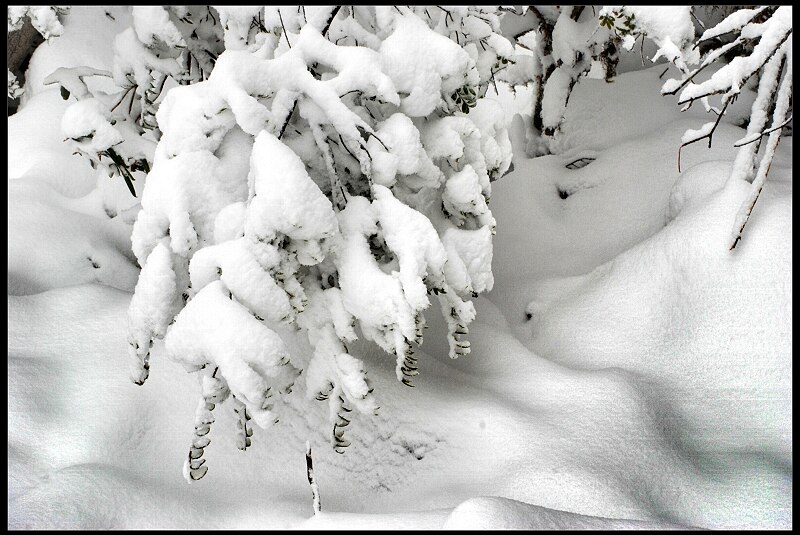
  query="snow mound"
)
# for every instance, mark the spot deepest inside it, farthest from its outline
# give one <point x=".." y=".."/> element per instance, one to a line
<point x="502" y="513"/>
<point x="55" y="241"/>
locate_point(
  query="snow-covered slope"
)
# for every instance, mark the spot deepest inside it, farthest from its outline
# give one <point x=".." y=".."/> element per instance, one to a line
<point x="650" y="387"/>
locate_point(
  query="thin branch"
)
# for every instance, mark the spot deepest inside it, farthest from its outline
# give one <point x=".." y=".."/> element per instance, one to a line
<point x="284" y="29"/>
<point x="700" y="22"/>
<point x="311" y="481"/>
<point x="347" y="149"/>
<point x="706" y="62"/>
<point x="744" y="80"/>
<point x="764" y="133"/>
<point x="125" y="94"/>
<point x="782" y="103"/>
<point x="288" y="118"/>
<point x="709" y="135"/>
<point x="330" y="19"/>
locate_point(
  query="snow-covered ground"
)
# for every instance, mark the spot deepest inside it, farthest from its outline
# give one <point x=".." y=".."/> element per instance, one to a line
<point x="627" y="370"/>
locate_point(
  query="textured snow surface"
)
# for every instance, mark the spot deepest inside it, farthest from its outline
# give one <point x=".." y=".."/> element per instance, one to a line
<point x="627" y="371"/>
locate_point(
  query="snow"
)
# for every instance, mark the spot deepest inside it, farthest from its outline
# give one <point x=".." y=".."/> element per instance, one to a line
<point x="729" y="79"/>
<point x="43" y="18"/>
<point x="237" y="21"/>
<point x="411" y="236"/>
<point x="192" y="341"/>
<point x="670" y="27"/>
<point x="90" y="118"/>
<point x="649" y="388"/>
<point x="286" y="200"/>
<point x="445" y="67"/>
<point x="152" y="308"/>
<point x="732" y="22"/>
<point x="152" y="24"/>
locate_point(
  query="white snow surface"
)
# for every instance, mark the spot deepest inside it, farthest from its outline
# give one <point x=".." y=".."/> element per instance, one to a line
<point x="650" y="387"/>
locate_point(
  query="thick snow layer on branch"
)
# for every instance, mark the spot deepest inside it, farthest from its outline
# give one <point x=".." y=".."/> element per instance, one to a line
<point x="670" y="27"/>
<point x="570" y="38"/>
<point x="405" y="156"/>
<point x="71" y="79"/>
<point x="376" y="299"/>
<point x="90" y="119"/>
<point x="332" y="372"/>
<point x="285" y="199"/>
<point x="411" y="236"/>
<point x="179" y="199"/>
<point x="131" y="57"/>
<point x="191" y="120"/>
<point x="152" y="25"/>
<point x="469" y="252"/>
<point x="489" y="118"/>
<point x="154" y="303"/>
<point x="246" y="273"/>
<point x="746" y="157"/>
<point x="237" y="22"/>
<point x="554" y="100"/>
<point x="214" y="330"/>
<point x="732" y="22"/>
<point x="729" y="79"/>
<point x="43" y="18"/>
<point x="238" y="75"/>
<point x="424" y="65"/>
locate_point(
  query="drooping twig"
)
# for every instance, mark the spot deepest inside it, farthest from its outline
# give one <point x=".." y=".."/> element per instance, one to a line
<point x="708" y="135"/>
<point x="311" y="480"/>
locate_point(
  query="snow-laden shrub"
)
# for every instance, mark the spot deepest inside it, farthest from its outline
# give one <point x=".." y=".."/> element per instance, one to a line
<point x="762" y="40"/>
<point x="570" y="42"/>
<point x="117" y="131"/>
<point x="567" y="43"/>
<point x="333" y="173"/>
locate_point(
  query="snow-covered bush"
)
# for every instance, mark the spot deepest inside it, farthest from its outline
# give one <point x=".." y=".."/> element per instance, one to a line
<point x="566" y="42"/>
<point x="569" y="42"/>
<point x="163" y="44"/>
<point x="762" y="40"/>
<point x="332" y="173"/>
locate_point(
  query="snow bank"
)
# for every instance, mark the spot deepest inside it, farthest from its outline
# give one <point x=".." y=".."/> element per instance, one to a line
<point x="502" y="513"/>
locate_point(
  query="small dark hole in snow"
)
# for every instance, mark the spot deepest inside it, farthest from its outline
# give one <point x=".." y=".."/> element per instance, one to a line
<point x="528" y="316"/>
<point x="580" y="162"/>
<point x="95" y="265"/>
<point x="563" y="193"/>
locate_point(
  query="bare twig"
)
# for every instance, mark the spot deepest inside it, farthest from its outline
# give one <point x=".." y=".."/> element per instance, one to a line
<point x="745" y="79"/>
<point x="288" y="118"/>
<point x="332" y="16"/>
<point x="284" y="29"/>
<point x="764" y="133"/>
<point x="709" y="135"/>
<point x="311" y="480"/>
